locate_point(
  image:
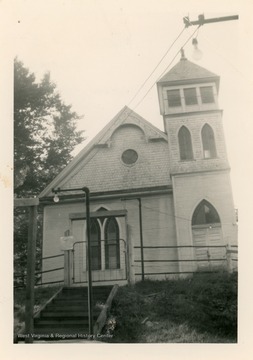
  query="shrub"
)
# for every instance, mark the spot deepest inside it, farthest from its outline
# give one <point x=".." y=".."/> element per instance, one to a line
<point x="128" y="309"/>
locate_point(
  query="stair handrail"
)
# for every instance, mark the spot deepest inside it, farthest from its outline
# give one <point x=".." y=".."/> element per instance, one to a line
<point x="42" y="307"/>
<point x="36" y="315"/>
<point x="101" y="320"/>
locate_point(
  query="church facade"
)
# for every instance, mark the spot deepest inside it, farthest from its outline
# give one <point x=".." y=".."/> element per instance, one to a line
<point x="161" y="202"/>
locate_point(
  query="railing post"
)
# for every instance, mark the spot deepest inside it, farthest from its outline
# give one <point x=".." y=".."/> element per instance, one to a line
<point x="130" y="257"/>
<point x="68" y="267"/>
<point x="229" y="259"/>
<point x="209" y="259"/>
<point x="30" y="279"/>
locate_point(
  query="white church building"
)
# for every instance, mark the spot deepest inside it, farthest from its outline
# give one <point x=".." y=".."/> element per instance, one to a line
<point x="161" y="203"/>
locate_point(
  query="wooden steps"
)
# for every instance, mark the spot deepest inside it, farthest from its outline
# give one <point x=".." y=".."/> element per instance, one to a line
<point x="67" y="313"/>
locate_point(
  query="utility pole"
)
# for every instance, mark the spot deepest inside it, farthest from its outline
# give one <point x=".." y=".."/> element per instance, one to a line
<point x="202" y="21"/>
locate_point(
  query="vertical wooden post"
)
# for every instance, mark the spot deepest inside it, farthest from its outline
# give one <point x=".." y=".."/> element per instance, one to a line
<point x="30" y="279"/>
<point x="229" y="260"/>
<point x="130" y="259"/>
<point x="209" y="257"/>
<point x="90" y="291"/>
<point x="68" y="267"/>
<point x="141" y="240"/>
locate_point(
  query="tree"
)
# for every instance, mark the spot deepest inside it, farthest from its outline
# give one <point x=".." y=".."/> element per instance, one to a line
<point x="44" y="131"/>
<point x="44" y="136"/>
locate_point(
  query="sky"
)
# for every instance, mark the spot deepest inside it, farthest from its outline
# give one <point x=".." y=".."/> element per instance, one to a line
<point x="99" y="53"/>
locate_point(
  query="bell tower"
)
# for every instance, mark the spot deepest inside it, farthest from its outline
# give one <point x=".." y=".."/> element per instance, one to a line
<point x="188" y="99"/>
<point x="199" y="168"/>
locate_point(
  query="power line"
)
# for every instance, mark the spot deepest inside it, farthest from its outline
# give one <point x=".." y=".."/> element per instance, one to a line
<point x="172" y="216"/>
<point x="142" y="85"/>
<point x="165" y="69"/>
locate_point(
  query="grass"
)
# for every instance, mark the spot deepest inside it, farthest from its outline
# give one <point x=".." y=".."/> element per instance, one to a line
<point x="41" y="296"/>
<point x="200" y="309"/>
<point x="169" y="332"/>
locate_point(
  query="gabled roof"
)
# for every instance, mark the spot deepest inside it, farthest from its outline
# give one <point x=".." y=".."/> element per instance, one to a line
<point x="125" y="117"/>
<point x="186" y="71"/>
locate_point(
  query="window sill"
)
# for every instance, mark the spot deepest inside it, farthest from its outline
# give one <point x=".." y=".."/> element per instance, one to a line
<point x="211" y="158"/>
<point x="205" y="226"/>
<point x="187" y="160"/>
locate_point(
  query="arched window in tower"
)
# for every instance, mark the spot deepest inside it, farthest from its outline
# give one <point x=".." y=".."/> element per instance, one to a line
<point x="185" y="144"/>
<point x="205" y="214"/>
<point x="208" y="142"/>
<point x="112" y="250"/>
<point x="95" y="237"/>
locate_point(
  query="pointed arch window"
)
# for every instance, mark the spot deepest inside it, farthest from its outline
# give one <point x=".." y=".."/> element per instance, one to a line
<point x="205" y="214"/>
<point x="185" y="144"/>
<point x="95" y="236"/>
<point x="102" y="219"/>
<point x="112" y="250"/>
<point x="208" y="142"/>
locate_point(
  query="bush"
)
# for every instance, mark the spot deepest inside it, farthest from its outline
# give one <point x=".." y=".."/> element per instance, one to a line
<point x="128" y="309"/>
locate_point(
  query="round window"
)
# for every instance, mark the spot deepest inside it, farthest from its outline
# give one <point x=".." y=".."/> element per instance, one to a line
<point x="129" y="157"/>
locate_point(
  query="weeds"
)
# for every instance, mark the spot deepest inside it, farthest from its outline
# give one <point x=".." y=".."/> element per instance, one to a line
<point x="41" y="295"/>
<point x="205" y="305"/>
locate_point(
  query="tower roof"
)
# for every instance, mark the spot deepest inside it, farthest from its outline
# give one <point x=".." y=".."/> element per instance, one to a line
<point x="186" y="72"/>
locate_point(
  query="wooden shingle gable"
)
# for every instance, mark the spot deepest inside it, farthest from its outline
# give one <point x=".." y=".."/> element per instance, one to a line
<point x="101" y="142"/>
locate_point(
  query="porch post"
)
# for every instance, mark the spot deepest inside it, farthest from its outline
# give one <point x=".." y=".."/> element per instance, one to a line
<point x="229" y="260"/>
<point x="130" y="257"/>
<point x="68" y="267"/>
<point x="30" y="280"/>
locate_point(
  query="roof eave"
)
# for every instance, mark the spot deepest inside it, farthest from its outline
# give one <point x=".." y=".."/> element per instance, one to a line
<point x="215" y="79"/>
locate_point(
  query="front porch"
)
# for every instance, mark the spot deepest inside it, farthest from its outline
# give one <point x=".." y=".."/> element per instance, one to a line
<point x="107" y="273"/>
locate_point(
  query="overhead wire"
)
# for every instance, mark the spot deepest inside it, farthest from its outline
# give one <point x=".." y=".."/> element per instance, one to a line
<point x="189" y="38"/>
<point x="160" y="61"/>
<point x="170" y="215"/>
<point x="143" y="84"/>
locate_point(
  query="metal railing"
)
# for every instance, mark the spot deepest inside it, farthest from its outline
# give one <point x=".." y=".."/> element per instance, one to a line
<point x="201" y="258"/>
<point x="109" y="261"/>
<point x="38" y="277"/>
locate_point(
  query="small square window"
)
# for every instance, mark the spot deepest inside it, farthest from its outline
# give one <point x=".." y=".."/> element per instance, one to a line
<point x="190" y="96"/>
<point x="174" y="98"/>
<point x="206" y="93"/>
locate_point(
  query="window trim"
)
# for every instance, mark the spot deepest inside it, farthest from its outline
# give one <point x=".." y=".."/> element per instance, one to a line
<point x="198" y="106"/>
<point x="208" y="142"/>
<point x="117" y="245"/>
<point x="202" y="95"/>
<point x="98" y="246"/>
<point x="132" y="163"/>
<point x="185" y="89"/>
<point x="206" y="224"/>
<point x="180" y="98"/>
<point x="185" y="144"/>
